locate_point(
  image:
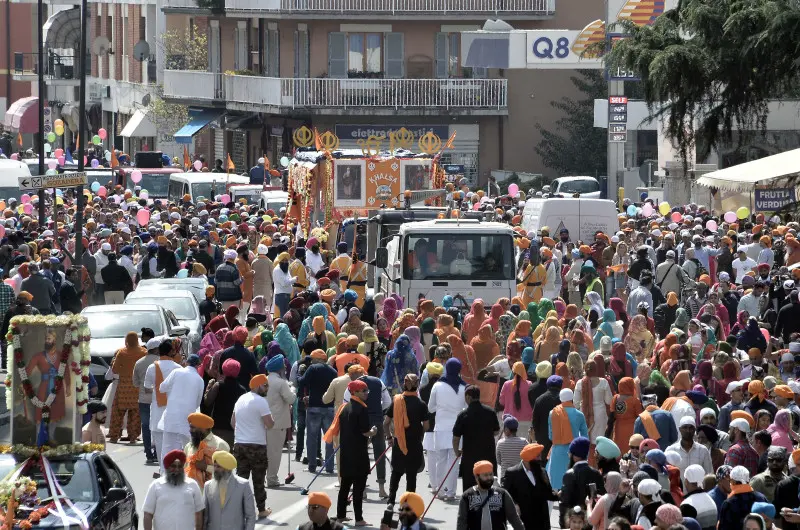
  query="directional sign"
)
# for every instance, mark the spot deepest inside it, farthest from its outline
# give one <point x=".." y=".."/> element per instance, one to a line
<point x="65" y="180"/>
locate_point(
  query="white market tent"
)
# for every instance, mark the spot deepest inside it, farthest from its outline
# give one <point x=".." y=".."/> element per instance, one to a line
<point x="744" y="177"/>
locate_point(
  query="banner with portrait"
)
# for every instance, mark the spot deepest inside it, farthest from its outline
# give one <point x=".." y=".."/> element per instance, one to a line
<point x="349" y="183"/>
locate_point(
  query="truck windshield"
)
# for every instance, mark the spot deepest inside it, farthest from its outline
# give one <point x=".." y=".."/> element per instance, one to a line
<point x="459" y="256"/>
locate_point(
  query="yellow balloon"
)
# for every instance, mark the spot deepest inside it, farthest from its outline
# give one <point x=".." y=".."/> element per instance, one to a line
<point x="59" y="130"/>
<point x="59" y="201"/>
<point x="664" y="208"/>
<point x="743" y="212"/>
<point x="20" y="209"/>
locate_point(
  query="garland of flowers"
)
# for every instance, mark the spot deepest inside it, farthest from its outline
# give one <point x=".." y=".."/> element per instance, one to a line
<point x="82" y="351"/>
<point x="27" y="451"/>
<point x="328" y="164"/>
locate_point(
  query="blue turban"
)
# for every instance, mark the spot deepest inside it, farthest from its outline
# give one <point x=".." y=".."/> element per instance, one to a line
<point x="555" y="381"/>
<point x="276" y="363"/>
<point x="580" y="447"/>
<point x="510" y="422"/>
<point x="763" y="508"/>
<point x="649" y="470"/>
<point x="127" y="250"/>
<point x="341" y="247"/>
<point x="447" y="301"/>
<point x="657" y="456"/>
<point x="193" y="360"/>
<point x="350" y="295"/>
<point x="697" y="397"/>
<point x="691" y="524"/>
<point x="527" y="356"/>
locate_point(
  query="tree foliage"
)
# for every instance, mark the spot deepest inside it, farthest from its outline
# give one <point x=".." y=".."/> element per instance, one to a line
<point x="185" y="50"/>
<point x="166" y="116"/>
<point x="576" y="147"/>
<point x="709" y="67"/>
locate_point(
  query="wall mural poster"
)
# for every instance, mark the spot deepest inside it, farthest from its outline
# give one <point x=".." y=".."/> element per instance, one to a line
<point x="416" y="175"/>
<point x="383" y="180"/>
<point x="349" y="183"/>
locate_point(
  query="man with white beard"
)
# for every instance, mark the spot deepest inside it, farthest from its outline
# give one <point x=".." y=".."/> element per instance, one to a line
<point x="172" y="500"/>
<point x="229" y="501"/>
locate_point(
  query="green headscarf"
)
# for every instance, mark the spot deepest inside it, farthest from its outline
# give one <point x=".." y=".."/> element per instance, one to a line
<point x="533" y="311"/>
<point x="261" y="349"/>
<point x="545" y="306"/>
<point x="658" y="379"/>
<point x="681" y="319"/>
<point x="524" y="315"/>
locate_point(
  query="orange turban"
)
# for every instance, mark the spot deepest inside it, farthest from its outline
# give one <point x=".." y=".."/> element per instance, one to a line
<point x="736" y="414"/>
<point x="415" y="501"/>
<point x="482" y="466"/>
<point x="318" y="498"/>
<point x="757" y="388"/>
<point x="319" y="355"/>
<point x="200" y="420"/>
<point x="783" y="391"/>
<point x="257" y="381"/>
<point x="531" y="452"/>
<point x="706" y="279"/>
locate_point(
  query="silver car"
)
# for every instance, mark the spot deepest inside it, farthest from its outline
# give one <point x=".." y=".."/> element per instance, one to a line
<point x="196" y="286"/>
<point x="182" y="304"/>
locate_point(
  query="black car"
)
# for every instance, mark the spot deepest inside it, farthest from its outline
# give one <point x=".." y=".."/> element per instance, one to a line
<point x="93" y="483"/>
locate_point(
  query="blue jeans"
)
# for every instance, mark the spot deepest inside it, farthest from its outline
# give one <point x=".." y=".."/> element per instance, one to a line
<point x="282" y="301"/>
<point x="318" y="420"/>
<point x="144" y="416"/>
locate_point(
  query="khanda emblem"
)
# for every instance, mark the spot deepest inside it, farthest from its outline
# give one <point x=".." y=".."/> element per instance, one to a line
<point x="371" y="146"/>
<point x="303" y="137"/>
<point x="329" y="141"/>
<point x="429" y="143"/>
<point x="402" y="138"/>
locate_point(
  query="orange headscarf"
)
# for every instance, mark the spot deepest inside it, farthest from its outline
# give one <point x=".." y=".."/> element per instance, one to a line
<point x="562" y="428"/>
<point x="563" y="372"/>
<point x="465" y="354"/>
<point x="485" y="347"/>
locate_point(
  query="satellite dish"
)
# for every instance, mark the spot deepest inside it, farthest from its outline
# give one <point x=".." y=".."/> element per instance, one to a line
<point x="101" y="46"/>
<point x="497" y="25"/>
<point x="146" y="100"/>
<point x="141" y="51"/>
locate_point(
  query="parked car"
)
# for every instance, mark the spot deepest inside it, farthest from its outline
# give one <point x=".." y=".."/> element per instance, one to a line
<point x="94" y="484"/>
<point x="586" y="187"/>
<point x="181" y="303"/>
<point x="196" y="286"/>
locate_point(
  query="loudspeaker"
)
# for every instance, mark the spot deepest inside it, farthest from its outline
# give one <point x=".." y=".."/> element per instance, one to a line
<point x="148" y="159"/>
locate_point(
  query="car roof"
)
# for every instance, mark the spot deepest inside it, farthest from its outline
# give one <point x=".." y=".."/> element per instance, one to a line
<point x="119" y="308"/>
<point x="171" y="293"/>
<point x="188" y="281"/>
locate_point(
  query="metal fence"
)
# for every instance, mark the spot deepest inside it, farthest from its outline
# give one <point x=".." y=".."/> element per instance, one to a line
<point x="516" y="7"/>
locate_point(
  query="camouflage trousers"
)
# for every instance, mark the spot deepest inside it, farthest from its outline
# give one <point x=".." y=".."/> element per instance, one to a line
<point x="253" y="458"/>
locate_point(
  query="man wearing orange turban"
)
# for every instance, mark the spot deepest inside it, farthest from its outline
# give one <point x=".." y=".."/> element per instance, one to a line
<point x="485" y="496"/>
<point x="201" y="448"/>
<point x="531" y="497"/>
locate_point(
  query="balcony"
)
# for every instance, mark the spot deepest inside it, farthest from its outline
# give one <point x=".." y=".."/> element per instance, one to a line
<point x="58" y="67"/>
<point x="193" y="6"/>
<point x="398" y="9"/>
<point x="338" y="96"/>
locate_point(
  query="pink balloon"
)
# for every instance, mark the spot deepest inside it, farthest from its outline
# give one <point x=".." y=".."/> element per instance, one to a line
<point x="102" y="192"/>
<point x="25" y="199"/>
<point x="647" y="209"/>
<point x="143" y="217"/>
<point x="198" y="165"/>
<point x="85" y="160"/>
<point x="730" y="217"/>
<point x="513" y="189"/>
<point x="102" y="133"/>
<point x="676" y="217"/>
<point x="52" y="164"/>
<point x="225" y="199"/>
<point x="476" y="206"/>
<point x="14" y="156"/>
<point x="144" y="195"/>
<point x="136" y="176"/>
<point x="27" y="208"/>
<point x="712" y="225"/>
<point x="58" y="153"/>
<point x="2" y="230"/>
<point x="61" y="160"/>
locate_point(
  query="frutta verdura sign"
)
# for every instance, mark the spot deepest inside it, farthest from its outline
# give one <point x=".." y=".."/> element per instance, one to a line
<point x="773" y="199"/>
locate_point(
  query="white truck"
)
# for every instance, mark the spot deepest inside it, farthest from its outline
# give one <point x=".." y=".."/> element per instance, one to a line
<point x="431" y="259"/>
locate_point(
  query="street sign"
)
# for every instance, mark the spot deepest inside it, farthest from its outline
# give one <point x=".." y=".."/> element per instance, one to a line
<point x="48" y="119"/>
<point x="65" y="180"/>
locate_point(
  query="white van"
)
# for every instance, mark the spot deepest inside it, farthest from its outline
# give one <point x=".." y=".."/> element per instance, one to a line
<point x="582" y="217"/>
<point x="10" y="171"/>
<point x="206" y="185"/>
<point x="267" y="198"/>
<point x="587" y="187"/>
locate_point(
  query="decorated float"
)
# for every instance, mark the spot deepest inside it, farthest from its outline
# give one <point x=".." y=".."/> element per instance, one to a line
<point x="47" y="392"/>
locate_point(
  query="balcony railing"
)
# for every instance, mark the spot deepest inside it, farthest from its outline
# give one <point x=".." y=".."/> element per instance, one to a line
<point x="193" y="85"/>
<point x="395" y="7"/>
<point x="194" y="4"/>
<point x="57" y="66"/>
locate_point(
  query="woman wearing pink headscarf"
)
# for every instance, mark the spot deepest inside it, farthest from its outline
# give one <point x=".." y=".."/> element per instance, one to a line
<point x="494" y="317"/>
<point x="389" y="311"/>
<point x="779" y="430"/>
<point x="414" y="334"/>
<point x="474" y="320"/>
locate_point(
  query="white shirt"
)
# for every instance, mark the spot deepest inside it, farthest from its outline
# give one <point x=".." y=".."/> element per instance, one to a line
<point x="446" y="404"/>
<point x="750" y="304"/>
<point x="250" y="410"/>
<point x="698" y="454"/>
<point x="127" y="262"/>
<point x="173" y="507"/>
<point x="314" y="261"/>
<point x="156" y="412"/>
<point x="283" y="281"/>
<point x="100" y="260"/>
<point x="184" y="390"/>
<point x="743" y="267"/>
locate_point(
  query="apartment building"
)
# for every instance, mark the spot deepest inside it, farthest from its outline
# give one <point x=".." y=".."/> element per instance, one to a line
<point x="360" y="68"/>
<point x="17" y="33"/>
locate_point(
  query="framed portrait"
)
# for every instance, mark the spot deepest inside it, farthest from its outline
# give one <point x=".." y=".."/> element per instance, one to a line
<point x="350" y="183"/>
<point x="416" y="175"/>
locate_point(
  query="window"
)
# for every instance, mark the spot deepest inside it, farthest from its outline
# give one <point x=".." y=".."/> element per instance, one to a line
<point x="579" y="186"/>
<point x="301" y="54"/>
<point x="448" y="58"/>
<point x="111" y="325"/>
<point x="372" y="53"/>
<point x="175" y="190"/>
<point x="272" y="53"/>
<point x="466" y="256"/>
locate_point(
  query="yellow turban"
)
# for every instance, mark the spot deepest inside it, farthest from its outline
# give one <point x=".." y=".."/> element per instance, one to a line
<point x="200" y="420"/>
<point x="415" y="501"/>
<point x="434" y="368"/>
<point x="224" y="459"/>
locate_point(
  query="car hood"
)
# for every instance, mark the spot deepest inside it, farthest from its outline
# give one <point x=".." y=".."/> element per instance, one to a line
<point x="106" y="347"/>
<point x="192" y="323"/>
<point x="54" y="521"/>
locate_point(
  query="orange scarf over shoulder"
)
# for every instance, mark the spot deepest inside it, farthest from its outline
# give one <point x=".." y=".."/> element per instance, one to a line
<point x="562" y="428"/>
<point x="649" y="426"/>
<point x="670" y="402"/>
<point x="203" y="454"/>
<point x="401" y="422"/>
<point x="736" y="489"/>
<point x="333" y="431"/>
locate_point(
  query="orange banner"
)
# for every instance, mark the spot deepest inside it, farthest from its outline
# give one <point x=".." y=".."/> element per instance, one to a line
<point x="383" y="182"/>
<point x="617" y="268"/>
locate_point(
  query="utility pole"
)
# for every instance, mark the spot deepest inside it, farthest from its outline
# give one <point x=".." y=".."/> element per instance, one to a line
<point x="79" y="200"/>
<point x="42" y="98"/>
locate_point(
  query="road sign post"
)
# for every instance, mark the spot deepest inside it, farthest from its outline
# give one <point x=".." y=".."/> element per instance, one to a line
<point x="64" y="180"/>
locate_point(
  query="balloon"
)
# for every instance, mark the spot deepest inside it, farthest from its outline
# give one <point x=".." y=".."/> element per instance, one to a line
<point x="513" y="189"/>
<point x="58" y="153"/>
<point x="52" y="164"/>
<point x="102" y="134"/>
<point x="25" y="199"/>
<point x="59" y="130"/>
<point x="95" y="162"/>
<point x="61" y="160"/>
<point x="664" y="208"/>
<point x="285" y="161"/>
<point x="2" y="231"/>
<point x="95" y="186"/>
<point x="59" y="192"/>
<point x="143" y="217"/>
<point x="183" y="273"/>
<point x="51" y="137"/>
<point x="197" y="165"/>
<point x="27" y="208"/>
<point x="225" y="199"/>
<point x="743" y="212"/>
<point x="729" y="217"/>
<point x="631" y="210"/>
<point x="476" y="206"/>
<point x="102" y="191"/>
<point x="14" y="156"/>
<point x="85" y="160"/>
<point x="676" y="217"/>
<point x="59" y="201"/>
<point x="58" y="123"/>
<point x="647" y="209"/>
<point x="712" y="225"/>
<point x="107" y="154"/>
<point x="144" y="195"/>
<point x="136" y="176"/>
<point x="96" y="140"/>
<point x="50" y="172"/>
<point x="48" y="148"/>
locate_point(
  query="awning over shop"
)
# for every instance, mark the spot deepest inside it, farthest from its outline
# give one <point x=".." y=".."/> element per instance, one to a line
<point x="198" y="119"/>
<point x="139" y="125"/>
<point x="63" y="29"/>
<point x="744" y="177"/>
<point x="23" y="115"/>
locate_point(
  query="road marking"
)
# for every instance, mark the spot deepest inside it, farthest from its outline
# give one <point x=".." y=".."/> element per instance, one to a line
<point x="286" y="515"/>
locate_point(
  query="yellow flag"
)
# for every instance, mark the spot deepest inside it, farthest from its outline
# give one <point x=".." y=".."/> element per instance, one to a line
<point x="229" y="165"/>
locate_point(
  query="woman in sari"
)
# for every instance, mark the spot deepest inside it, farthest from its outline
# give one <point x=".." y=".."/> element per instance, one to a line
<point x="522" y="331"/>
<point x="705" y="378"/>
<point x="445" y="326"/>
<point x="544" y="307"/>
<point x="550" y="345"/>
<point x="400" y="361"/>
<point x="639" y="342"/>
<point x="682" y="319"/>
<point x="605" y="329"/>
<point x="474" y="320"/>
<point x="593" y="396"/>
<point x="533" y="313"/>
<point x="620" y="367"/>
<point x="563" y="372"/>
<point x="485" y="346"/>
<point x="781" y="430"/>
<point x="595" y="311"/>
<point x="580" y="341"/>
<point x="741" y="322"/>
<point x="494" y="316"/>
<point x="466" y="355"/>
<point x="625" y="408"/>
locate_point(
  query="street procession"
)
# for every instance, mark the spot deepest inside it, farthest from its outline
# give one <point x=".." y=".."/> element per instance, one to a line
<point x="332" y="264"/>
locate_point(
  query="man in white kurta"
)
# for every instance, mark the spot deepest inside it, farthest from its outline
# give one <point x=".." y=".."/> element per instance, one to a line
<point x="446" y="403"/>
<point x="184" y="390"/>
<point x="166" y="364"/>
<point x="280" y="396"/>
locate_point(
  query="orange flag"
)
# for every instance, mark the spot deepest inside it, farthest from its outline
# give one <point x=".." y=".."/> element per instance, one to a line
<point x="19" y="139"/>
<point x="229" y="165"/>
<point x="317" y="141"/>
<point x="77" y="141"/>
<point x="187" y="162"/>
<point x="114" y="161"/>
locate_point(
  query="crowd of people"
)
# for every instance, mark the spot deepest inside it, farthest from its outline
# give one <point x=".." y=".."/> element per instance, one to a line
<point x="645" y="379"/>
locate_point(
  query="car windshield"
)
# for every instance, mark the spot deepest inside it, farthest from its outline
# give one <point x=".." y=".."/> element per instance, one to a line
<point x="182" y="308"/>
<point x="349" y="232"/>
<point x="274" y="204"/>
<point x="579" y="186"/>
<point x="74" y="476"/>
<point x="114" y="324"/>
<point x="207" y="190"/>
<point x="458" y="256"/>
<point x="156" y="184"/>
<point x="252" y="196"/>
